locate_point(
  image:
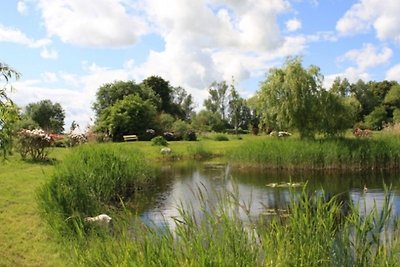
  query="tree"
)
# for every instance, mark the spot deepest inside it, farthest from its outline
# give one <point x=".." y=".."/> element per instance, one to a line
<point x="239" y="112"/>
<point x="218" y="99"/>
<point x="206" y="121"/>
<point x="376" y="119"/>
<point x="131" y="115"/>
<point x="110" y="93"/>
<point x="341" y="87"/>
<point x="9" y="113"/>
<point x="337" y="113"/>
<point x="162" y="89"/>
<point x="49" y="116"/>
<point x="289" y="97"/>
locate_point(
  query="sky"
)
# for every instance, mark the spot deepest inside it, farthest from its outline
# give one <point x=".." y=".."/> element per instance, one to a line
<point x="66" y="49"/>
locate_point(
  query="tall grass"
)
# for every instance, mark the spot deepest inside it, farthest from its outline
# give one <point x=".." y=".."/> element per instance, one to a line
<point x="317" y="232"/>
<point x="335" y="154"/>
<point x="91" y="180"/>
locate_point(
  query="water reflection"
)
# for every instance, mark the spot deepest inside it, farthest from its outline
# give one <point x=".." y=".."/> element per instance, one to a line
<point x="179" y="185"/>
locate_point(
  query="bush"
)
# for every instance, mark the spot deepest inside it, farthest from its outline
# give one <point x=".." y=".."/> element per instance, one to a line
<point x="221" y="137"/>
<point x="159" y="141"/>
<point x="190" y="136"/>
<point x="75" y="139"/>
<point x="34" y="143"/>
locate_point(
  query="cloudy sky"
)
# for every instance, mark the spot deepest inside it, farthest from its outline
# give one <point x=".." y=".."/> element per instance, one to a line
<point x="66" y="49"/>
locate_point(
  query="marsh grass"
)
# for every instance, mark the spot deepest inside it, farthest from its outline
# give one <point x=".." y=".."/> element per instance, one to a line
<point x="327" y="154"/>
<point x="92" y="180"/>
<point x="315" y="233"/>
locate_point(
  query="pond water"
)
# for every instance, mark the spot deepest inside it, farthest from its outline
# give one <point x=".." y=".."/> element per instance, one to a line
<point x="179" y="184"/>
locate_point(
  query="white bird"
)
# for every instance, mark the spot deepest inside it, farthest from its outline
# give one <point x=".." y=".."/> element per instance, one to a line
<point x="365" y="189"/>
<point x="103" y="218"/>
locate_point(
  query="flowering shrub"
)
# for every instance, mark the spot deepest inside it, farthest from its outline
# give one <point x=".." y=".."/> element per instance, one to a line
<point x="77" y="139"/>
<point x="34" y="143"/>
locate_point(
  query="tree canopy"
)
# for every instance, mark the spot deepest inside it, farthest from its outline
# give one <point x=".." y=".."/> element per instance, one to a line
<point x="48" y="115"/>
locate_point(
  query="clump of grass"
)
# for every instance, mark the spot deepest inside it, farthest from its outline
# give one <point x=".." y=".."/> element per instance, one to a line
<point x="220" y="137"/>
<point x="92" y="180"/>
<point x="334" y="154"/>
<point x="198" y="151"/>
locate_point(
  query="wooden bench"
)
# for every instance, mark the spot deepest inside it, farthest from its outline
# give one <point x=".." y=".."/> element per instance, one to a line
<point x="132" y="137"/>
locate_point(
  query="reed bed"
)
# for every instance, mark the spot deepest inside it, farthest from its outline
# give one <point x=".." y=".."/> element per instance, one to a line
<point x="326" y="154"/>
<point x="93" y="179"/>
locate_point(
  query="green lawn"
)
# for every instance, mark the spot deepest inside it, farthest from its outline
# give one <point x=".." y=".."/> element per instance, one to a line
<point x="23" y="238"/>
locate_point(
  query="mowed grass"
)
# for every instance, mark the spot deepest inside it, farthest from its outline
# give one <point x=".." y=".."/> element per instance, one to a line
<point x="24" y="240"/>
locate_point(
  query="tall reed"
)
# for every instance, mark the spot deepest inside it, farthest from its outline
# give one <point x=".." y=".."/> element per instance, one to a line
<point x="316" y="232"/>
<point x="92" y="180"/>
<point x="335" y="154"/>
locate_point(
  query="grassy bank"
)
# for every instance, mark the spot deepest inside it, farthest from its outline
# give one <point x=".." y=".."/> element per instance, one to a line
<point x="328" y="154"/>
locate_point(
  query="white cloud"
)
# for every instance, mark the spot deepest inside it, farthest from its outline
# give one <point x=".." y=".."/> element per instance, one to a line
<point x="393" y="73"/>
<point x="368" y="56"/>
<point x="101" y="23"/>
<point x="49" y="53"/>
<point x="366" y="14"/>
<point x="22" y="7"/>
<point x="213" y="40"/>
<point x="49" y="77"/>
<point x="293" y="25"/>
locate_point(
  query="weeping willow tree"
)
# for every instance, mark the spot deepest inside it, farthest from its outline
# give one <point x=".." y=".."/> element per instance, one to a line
<point x="289" y="98"/>
<point x="8" y="110"/>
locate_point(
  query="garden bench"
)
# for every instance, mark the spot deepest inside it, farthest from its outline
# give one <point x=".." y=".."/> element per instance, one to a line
<point x="132" y="137"/>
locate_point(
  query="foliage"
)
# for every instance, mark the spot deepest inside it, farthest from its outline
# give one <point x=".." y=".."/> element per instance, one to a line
<point x="220" y="137"/>
<point x="239" y="112"/>
<point x="9" y="113"/>
<point x="9" y="116"/>
<point x="90" y="181"/>
<point x="47" y="115"/>
<point x="165" y="122"/>
<point x="218" y="99"/>
<point x="75" y="139"/>
<point x="34" y="143"/>
<point x="376" y="119"/>
<point x="337" y="114"/>
<point x="159" y="141"/>
<point x="162" y="89"/>
<point x="131" y="115"/>
<point x="289" y="98"/>
<point x="108" y="94"/>
<point x="206" y="121"/>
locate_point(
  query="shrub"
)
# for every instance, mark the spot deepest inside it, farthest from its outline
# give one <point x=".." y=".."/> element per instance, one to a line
<point x="34" y="143"/>
<point x="221" y="137"/>
<point x="190" y="136"/>
<point x="159" y="141"/>
<point x="75" y="139"/>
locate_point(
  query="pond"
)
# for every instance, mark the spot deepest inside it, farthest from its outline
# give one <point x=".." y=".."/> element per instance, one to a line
<point x="263" y="191"/>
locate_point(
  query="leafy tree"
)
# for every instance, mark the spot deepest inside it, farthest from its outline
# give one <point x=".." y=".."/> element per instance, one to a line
<point x="131" y="115"/>
<point x="341" y="87"/>
<point x="377" y="118"/>
<point x="239" y="112"/>
<point x="206" y="121"/>
<point x="218" y="99"/>
<point x="182" y="104"/>
<point x="337" y="113"/>
<point x="9" y="113"/>
<point x="109" y="93"/>
<point x="392" y="98"/>
<point x="162" y="89"/>
<point x="289" y="97"/>
<point x="49" y="116"/>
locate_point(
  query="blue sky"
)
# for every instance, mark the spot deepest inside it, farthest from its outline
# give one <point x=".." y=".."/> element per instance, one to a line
<point x="66" y="49"/>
